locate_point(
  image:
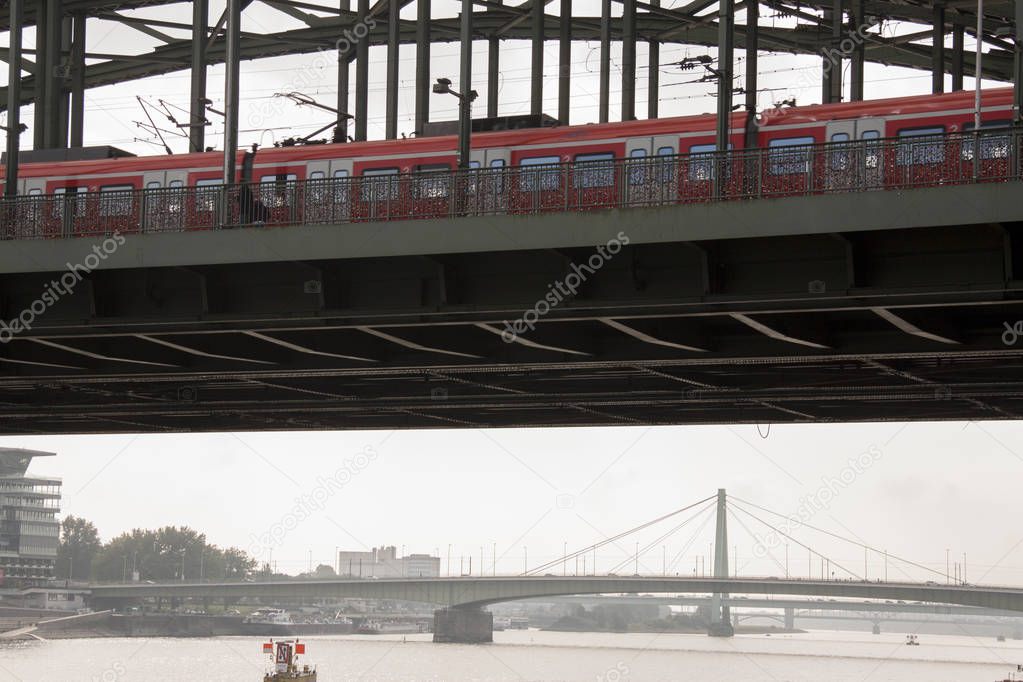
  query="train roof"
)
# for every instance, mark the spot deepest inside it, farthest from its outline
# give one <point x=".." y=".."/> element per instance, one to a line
<point x="445" y="145"/>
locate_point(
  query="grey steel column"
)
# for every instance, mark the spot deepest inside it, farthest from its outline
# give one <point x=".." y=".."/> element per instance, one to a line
<point x="51" y="87"/>
<point x="231" y="64"/>
<point x="493" y="72"/>
<point x="197" y="89"/>
<point x="831" y="84"/>
<point x="958" y="47"/>
<point x="391" y="95"/>
<point x="536" y="86"/>
<point x="628" y="60"/>
<point x="938" y="51"/>
<point x="653" y="73"/>
<point x="605" y="61"/>
<point x="465" y="86"/>
<point x="16" y="12"/>
<point x="62" y="82"/>
<point x="565" y="62"/>
<point x="41" y="81"/>
<point x="77" y="62"/>
<point x="859" y="52"/>
<point x="726" y="30"/>
<point x="344" y="62"/>
<point x="362" y="76"/>
<point x="752" y="43"/>
<point x="423" y="10"/>
<point x="1018" y="71"/>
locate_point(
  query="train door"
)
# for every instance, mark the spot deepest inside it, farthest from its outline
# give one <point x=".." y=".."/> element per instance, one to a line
<point x="650" y="173"/>
<point x="328" y="196"/>
<point x="853" y="161"/>
<point x="486" y="191"/>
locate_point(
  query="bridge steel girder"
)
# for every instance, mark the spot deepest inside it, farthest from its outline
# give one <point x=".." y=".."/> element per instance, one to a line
<point x="529" y="22"/>
<point x="480" y="592"/>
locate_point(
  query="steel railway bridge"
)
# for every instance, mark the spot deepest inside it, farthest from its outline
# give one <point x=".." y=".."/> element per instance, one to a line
<point x="837" y="300"/>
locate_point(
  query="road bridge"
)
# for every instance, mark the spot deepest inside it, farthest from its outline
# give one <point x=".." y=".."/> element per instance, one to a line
<point x="462" y="617"/>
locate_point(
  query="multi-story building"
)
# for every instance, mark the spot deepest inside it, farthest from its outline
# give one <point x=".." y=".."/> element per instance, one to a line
<point x="384" y="562"/>
<point x="29" y="529"/>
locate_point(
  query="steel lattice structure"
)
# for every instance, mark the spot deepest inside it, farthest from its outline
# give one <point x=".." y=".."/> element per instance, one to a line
<point x="62" y="25"/>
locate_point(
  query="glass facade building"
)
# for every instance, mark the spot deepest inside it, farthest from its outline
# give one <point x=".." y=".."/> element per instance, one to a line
<point x="29" y="529"/>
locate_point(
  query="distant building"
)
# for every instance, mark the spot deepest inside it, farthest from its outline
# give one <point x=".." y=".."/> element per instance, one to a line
<point x="384" y="562"/>
<point x="29" y="529"/>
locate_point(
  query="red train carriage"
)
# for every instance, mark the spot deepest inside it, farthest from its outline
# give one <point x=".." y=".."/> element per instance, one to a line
<point x="541" y="169"/>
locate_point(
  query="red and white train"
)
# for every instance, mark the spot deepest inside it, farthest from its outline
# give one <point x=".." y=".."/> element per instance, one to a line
<point x="777" y="133"/>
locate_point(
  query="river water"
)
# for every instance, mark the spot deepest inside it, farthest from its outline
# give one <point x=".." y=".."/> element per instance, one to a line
<point x="820" y="656"/>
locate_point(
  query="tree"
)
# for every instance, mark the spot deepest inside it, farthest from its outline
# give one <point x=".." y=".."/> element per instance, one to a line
<point x="170" y="553"/>
<point x="79" y="544"/>
<point x="324" y="571"/>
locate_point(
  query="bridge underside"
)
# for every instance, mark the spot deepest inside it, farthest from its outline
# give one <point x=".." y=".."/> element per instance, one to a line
<point x="319" y="331"/>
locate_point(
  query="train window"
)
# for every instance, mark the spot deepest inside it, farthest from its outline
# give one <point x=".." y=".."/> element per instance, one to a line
<point x="992" y="146"/>
<point x="638" y="167"/>
<point x="317" y="175"/>
<point x="176" y="184"/>
<point x="274" y="189"/>
<point x="341" y="185"/>
<point x="920" y="145"/>
<point x="206" y="193"/>
<point x="540" y="172"/>
<point x="594" y="170"/>
<point x="701" y="161"/>
<point x="496" y="176"/>
<point x="153" y="184"/>
<point x="380" y="184"/>
<point x="79" y="202"/>
<point x="115" y="200"/>
<point x="666" y="163"/>
<point x="871" y="149"/>
<point x="840" y="157"/>
<point x="789" y="155"/>
<point x="430" y="181"/>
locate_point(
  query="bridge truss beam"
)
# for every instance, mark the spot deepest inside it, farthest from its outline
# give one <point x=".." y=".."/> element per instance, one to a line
<point x="826" y="26"/>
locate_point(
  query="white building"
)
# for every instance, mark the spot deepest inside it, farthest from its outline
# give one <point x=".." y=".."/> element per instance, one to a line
<point x="384" y="562"/>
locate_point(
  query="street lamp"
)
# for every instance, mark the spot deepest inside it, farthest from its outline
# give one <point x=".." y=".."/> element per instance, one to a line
<point x="465" y="100"/>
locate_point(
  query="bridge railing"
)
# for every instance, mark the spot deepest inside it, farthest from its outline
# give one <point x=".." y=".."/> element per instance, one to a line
<point x="775" y="171"/>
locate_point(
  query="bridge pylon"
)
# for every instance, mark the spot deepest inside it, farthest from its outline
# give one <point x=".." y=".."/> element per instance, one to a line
<point x="720" y="622"/>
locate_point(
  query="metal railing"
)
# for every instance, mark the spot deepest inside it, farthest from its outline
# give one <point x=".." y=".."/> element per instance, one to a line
<point x="778" y="171"/>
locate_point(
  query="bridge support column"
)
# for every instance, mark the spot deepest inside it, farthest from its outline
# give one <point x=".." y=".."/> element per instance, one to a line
<point x="720" y="622"/>
<point x="463" y="626"/>
<point x="790" y="619"/>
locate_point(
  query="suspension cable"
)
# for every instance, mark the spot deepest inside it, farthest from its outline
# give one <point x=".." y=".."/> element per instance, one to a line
<point x="606" y="541"/>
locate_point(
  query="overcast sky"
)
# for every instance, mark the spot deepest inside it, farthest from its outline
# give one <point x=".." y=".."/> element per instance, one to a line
<point x="925" y="488"/>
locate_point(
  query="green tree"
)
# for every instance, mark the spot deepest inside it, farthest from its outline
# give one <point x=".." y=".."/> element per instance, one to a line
<point x="170" y="553"/>
<point x="79" y="544"/>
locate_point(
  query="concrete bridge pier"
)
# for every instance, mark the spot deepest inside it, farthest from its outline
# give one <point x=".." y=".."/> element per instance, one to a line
<point x="470" y="625"/>
<point x="790" y="618"/>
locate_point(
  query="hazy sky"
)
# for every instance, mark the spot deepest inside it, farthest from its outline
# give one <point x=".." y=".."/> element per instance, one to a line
<point x="927" y="487"/>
